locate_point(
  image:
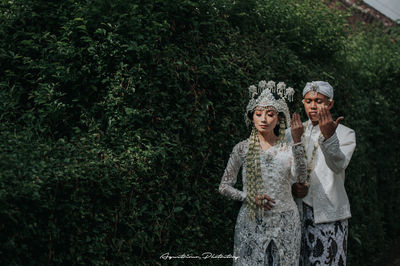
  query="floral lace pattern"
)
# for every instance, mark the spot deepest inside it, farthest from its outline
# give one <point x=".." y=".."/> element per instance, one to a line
<point x="280" y="168"/>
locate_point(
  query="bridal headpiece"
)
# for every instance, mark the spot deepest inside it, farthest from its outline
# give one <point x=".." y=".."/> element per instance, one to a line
<point x="262" y="96"/>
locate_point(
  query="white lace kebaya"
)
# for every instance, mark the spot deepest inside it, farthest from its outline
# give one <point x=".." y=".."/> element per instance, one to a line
<point x="278" y="229"/>
<point x="280" y="168"/>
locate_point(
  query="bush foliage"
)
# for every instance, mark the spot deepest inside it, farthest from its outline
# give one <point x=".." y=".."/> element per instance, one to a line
<point x="118" y="117"/>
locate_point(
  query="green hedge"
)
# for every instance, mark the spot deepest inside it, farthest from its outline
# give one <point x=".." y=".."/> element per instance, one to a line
<point x="118" y="117"/>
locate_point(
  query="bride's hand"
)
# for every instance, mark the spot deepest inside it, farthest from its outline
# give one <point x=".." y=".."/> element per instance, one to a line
<point x="265" y="201"/>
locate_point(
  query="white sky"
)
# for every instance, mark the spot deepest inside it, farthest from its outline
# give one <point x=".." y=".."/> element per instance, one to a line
<point x="390" y="8"/>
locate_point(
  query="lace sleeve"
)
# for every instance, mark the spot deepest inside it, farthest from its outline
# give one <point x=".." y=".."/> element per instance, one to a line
<point x="230" y="175"/>
<point x="299" y="168"/>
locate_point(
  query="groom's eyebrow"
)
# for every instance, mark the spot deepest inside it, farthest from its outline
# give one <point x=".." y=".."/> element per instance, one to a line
<point x="314" y="99"/>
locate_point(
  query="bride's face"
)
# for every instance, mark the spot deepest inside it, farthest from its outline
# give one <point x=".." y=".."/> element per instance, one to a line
<point x="265" y="119"/>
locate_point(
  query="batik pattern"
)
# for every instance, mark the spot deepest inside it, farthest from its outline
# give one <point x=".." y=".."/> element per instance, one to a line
<point x="323" y="244"/>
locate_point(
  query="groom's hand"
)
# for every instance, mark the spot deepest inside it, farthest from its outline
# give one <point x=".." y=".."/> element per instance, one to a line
<point x="296" y="128"/>
<point x="326" y="123"/>
<point x="299" y="190"/>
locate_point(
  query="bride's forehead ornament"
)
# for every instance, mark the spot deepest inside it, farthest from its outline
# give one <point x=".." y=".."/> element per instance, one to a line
<point x="261" y="96"/>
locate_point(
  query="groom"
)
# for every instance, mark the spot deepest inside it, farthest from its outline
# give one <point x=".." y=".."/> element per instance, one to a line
<point x="326" y="209"/>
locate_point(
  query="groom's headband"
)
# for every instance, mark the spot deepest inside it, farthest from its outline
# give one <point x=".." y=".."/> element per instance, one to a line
<point x="322" y="87"/>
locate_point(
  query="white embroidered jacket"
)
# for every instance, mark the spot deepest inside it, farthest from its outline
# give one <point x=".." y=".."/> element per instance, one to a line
<point x="327" y="194"/>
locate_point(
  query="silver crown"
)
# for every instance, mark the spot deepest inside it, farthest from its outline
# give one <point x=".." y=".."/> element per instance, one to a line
<point x="266" y="99"/>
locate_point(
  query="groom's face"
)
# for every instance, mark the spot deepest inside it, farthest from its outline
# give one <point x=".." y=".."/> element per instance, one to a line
<point x="313" y="101"/>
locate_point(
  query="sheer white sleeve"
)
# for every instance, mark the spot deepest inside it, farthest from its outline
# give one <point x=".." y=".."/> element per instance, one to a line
<point x="299" y="168"/>
<point x="229" y="178"/>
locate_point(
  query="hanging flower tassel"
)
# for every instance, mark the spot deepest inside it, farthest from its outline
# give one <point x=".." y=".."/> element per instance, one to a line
<point x="282" y="130"/>
<point x="281" y="87"/>
<point x="262" y="85"/>
<point x="252" y="91"/>
<point x="289" y="94"/>
<point x="271" y="86"/>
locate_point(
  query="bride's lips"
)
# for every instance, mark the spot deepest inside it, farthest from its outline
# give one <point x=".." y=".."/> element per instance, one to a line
<point x="263" y="126"/>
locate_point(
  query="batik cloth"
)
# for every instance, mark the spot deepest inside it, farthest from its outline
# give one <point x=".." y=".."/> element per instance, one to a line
<point x="322" y="244"/>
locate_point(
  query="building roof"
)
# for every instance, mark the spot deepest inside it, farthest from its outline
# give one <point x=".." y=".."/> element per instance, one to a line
<point x="390" y="8"/>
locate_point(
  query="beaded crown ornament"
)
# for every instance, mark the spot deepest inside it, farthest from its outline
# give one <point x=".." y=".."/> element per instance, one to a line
<point x="261" y="96"/>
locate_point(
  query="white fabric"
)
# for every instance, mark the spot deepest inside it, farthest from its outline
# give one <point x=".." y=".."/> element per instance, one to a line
<point x="322" y="87"/>
<point x="280" y="167"/>
<point x="327" y="194"/>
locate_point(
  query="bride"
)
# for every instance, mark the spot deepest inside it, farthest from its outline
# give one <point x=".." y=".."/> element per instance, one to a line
<point x="268" y="228"/>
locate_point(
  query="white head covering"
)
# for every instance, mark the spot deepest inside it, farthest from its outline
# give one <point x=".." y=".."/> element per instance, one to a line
<point x="322" y="87"/>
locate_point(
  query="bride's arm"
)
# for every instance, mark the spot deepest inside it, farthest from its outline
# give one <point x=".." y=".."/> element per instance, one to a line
<point x="229" y="178"/>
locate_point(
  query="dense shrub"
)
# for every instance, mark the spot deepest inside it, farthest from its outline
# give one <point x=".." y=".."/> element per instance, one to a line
<point x="370" y="80"/>
<point x="118" y="117"/>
